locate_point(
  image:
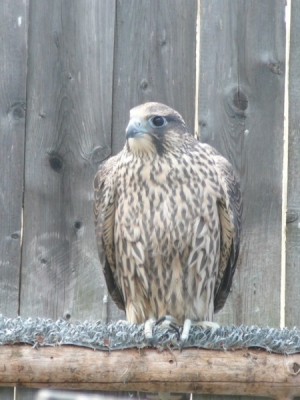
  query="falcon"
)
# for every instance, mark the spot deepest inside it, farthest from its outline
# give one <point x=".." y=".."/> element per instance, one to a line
<point x="168" y="222"/>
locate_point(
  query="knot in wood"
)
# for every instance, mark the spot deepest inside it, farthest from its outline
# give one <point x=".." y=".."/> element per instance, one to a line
<point x="56" y="163"/>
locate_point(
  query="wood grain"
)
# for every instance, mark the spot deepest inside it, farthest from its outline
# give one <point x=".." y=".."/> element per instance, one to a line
<point x="195" y="370"/>
<point x="293" y="225"/>
<point x="68" y="136"/>
<point x="13" y="71"/>
<point x="241" y="114"/>
<point x="70" y="64"/>
<point x="158" y="48"/>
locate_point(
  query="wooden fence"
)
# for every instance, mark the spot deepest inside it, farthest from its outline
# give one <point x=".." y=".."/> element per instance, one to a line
<point x="70" y="70"/>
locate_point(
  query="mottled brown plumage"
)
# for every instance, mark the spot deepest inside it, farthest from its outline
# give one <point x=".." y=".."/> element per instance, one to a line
<point x="168" y="221"/>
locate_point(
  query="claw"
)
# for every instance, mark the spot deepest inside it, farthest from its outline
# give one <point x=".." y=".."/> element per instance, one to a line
<point x="170" y="322"/>
<point x="160" y="320"/>
<point x="168" y="319"/>
<point x="176" y="329"/>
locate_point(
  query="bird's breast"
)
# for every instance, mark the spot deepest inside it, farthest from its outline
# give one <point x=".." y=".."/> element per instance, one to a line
<point x="157" y="204"/>
<point x="162" y="237"/>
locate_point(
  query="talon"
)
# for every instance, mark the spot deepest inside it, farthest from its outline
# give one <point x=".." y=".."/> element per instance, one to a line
<point x="176" y="329"/>
<point x="168" y="319"/>
<point x="170" y="322"/>
<point x="181" y="344"/>
<point x="160" y="320"/>
<point x="151" y="342"/>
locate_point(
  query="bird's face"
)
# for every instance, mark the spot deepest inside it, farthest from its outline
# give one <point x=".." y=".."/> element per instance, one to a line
<point x="154" y="128"/>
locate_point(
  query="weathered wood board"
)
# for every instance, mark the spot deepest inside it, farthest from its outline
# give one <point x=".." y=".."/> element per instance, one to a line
<point x="70" y="72"/>
<point x="68" y="135"/>
<point x="241" y="114"/>
<point x="293" y="201"/>
<point x="155" y="59"/>
<point x="13" y="71"/>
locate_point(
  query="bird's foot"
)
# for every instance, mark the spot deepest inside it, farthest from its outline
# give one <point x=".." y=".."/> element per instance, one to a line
<point x="169" y="322"/>
<point x="213" y="326"/>
<point x="172" y="323"/>
<point x="166" y="321"/>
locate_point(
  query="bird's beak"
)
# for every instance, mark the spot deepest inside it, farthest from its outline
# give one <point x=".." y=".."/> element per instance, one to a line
<point x="135" y="128"/>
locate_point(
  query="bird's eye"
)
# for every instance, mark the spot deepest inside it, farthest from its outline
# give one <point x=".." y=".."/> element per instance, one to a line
<point x="157" y="121"/>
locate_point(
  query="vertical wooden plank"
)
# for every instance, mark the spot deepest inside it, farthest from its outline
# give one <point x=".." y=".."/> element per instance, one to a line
<point x="293" y="204"/>
<point x="7" y="393"/>
<point x="155" y="56"/>
<point x="13" y="71"/>
<point x="70" y="76"/>
<point x="68" y="135"/>
<point x="241" y="114"/>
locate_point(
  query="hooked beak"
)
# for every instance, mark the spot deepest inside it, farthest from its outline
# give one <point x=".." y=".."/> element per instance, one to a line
<point x="135" y="128"/>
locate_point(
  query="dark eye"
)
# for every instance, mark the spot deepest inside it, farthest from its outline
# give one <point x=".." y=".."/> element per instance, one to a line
<point x="157" y="121"/>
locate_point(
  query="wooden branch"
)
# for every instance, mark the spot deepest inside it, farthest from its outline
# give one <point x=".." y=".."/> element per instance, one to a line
<point x="241" y="372"/>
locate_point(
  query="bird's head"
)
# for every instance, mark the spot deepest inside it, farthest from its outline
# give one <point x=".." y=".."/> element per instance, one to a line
<point x="155" y="128"/>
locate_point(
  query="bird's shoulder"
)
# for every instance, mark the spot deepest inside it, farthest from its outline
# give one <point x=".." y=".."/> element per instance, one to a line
<point x="107" y="171"/>
<point x="204" y="160"/>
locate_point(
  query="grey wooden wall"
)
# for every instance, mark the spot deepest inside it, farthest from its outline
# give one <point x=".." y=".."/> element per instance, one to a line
<point x="69" y="73"/>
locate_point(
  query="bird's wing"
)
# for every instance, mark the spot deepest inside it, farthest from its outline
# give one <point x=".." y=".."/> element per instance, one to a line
<point x="230" y="214"/>
<point x="104" y="212"/>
